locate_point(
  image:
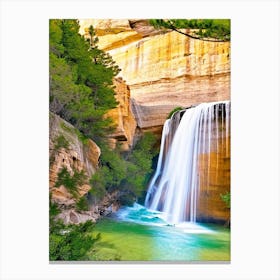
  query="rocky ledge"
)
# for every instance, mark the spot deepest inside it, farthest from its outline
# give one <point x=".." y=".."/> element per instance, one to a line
<point x="164" y="69"/>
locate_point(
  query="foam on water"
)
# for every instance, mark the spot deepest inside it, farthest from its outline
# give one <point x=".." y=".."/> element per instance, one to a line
<point x="141" y="215"/>
<point x="174" y="189"/>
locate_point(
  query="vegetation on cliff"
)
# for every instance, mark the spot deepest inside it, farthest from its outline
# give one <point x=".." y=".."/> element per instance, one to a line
<point x="226" y="199"/>
<point x="71" y="182"/>
<point x="173" y="111"/>
<point x="129" y="175"/>
<point x="81" y="80"/>
<point x="68" y="242"/>
<point x="216" y="30"/>
<point x="82" y="92"/>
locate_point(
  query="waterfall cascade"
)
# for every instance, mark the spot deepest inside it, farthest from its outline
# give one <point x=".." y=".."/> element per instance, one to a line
<point x="174" y="188"/>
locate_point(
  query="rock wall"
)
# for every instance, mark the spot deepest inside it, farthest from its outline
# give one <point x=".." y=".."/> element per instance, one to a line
<point x="164" y="69"/>
<point x="173" y="70"/>
<point x="123" y="117"/>
<point x="214" y="176"/>
<point x="70" y="152"/>
<point x="104" y="207"/>
<point x="66" y="149"/>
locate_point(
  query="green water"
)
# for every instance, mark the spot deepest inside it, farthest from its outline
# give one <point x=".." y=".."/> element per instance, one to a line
<point x="136" y="234"/>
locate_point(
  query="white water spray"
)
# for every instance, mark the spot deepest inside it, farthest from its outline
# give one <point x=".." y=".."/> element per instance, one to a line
<point x="174" y="189"/>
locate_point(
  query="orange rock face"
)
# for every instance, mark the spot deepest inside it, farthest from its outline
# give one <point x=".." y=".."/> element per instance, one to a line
<point x="170" y="70"/>
<point x="214" y="176"/>
<point x="164" y="69"/>
<point x="122" y="117"/>
<point x="74" y="156"/>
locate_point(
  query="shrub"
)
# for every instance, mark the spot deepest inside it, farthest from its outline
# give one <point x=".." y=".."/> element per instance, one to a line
<point x="82" y="204"/>
<point x="173" y="111"/>
<point x="71" y="183"/>
<point x="61" y="142"/>
<point x="53" y="208"/>
<point x="71" y="242"/>
<point x="128" y="175"/>
<point x="226" y="199"/>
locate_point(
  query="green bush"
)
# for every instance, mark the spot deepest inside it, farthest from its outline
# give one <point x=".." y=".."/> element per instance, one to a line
<point x="111" y="172"/>
<point x="71" y="183"/>
<point x="61" y="142"/>
<point x="54" y="210"/>
<point x="226" y="199"/>
<point x="173" y="111"/>
<point x="139" y="168"/>
<point x="71" y="242"/>
<point x="82" y="204"/>
<point x="128" y="175"/>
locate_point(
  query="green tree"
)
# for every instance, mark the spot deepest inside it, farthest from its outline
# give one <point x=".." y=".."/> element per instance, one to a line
<point x="71" y="242"/>
<point x="128" y="175"/>
<point x="213" y="30"/>
<point x="112" y="171"/>
<point x="81" y="79"/>
<point x="71" y="182"/>
<point x="139" y="170"/>
<point x="82" y="204"/>
<point x="93" y="40"/>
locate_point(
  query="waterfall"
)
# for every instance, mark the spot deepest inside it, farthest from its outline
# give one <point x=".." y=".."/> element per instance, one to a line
<point x="174" y="188"/>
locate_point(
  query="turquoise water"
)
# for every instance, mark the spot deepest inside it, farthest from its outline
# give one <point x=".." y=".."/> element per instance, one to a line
<point x="137" y="234"/>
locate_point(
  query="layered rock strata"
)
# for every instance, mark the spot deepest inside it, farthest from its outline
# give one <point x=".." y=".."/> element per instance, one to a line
<point x="214" y="177"/>
<point x="122" y="117"/>
<point x="67" y="150"/>
<point x="166" y="70"/>
<point x="173" y="70"/>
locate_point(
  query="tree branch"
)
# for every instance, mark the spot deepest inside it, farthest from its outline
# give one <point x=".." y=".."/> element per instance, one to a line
<point x="172" y="27"/>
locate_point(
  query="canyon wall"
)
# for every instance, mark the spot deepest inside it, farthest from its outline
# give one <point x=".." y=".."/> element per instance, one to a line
<point x="122" y="117"/>
<point x="164" y="69"/>
<point x="67" y="149"/>
<point x="214" y="177"/>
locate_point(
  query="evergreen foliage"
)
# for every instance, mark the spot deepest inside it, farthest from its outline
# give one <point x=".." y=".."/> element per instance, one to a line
<point x="71" y="242"/>
<point x="53" y="209"/>
<point x="71" y="183"/>
<point x="127" y="175"/>
<point x="139" y="169"/>
<point x="81" y="79"/>
<point x="61" y="142"/>
<point x="82" y="92"/>
<point x="226" y="199"/>
<point x="68" y="242"/>
<point x="206" y="29"/>
<point x="82" y="204"/>
<point x="173" y="111"/>
<point x="111" y="172"/>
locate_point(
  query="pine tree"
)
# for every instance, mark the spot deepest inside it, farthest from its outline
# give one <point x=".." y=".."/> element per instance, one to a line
<point x="81" y="79"/>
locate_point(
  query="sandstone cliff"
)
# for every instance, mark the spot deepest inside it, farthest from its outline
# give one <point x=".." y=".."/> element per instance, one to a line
<point x="214" y="176"/>
<point x="67" y="149"/>
<point x="123" y="117"/>
<point x="164" y="69"/>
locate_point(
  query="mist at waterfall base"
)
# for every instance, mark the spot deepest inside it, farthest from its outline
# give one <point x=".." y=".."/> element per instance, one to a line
<point x="139" y="234"/>
<point x="174" y="189"/>
<point x="166" y="228"/>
